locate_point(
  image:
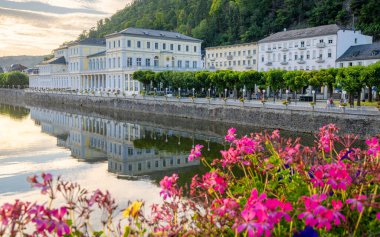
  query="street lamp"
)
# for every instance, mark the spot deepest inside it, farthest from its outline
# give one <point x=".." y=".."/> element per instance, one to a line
<point x="225" y="93"/>
<point x="179" y="91"/>
<point x="263" y="94"/>
<point x="209" y="92"/>
<point x="166" y="91"/>
<point x="193" y="91"/>
<point x="244" y="93"/>
<point x="313" y="92"/>
<point x="155" y="91"/>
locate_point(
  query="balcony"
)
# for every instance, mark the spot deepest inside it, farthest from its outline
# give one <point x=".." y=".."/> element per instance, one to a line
<point x="284" y="63"/>
<point x="248" y="67"/>
<point x="230" y="57"/>
<point x="301" y="61"/>
<point x="268" y="64"/>
<point x="302" y="48"/>
<point x="269" y="51"/>
<point x="320" y="60"/>
<point x="229" y="68"/>
<point x="321" y="45"/>
<point x="249" y="56"/>
<point x="212" y="59"/>
<point x="284" y="49"/>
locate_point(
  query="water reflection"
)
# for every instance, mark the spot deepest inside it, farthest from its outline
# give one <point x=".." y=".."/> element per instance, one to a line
<point x="131" y="149"/>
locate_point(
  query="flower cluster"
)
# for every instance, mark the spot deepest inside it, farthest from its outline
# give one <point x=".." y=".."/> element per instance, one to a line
<point x="336" y="175"/>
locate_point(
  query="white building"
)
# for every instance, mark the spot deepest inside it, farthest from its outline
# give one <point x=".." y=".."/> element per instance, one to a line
<point x="238" y="57"/>
<point x="96" y="64"/>
<point x="307" y="49"/>
<point x="362" y="55"/>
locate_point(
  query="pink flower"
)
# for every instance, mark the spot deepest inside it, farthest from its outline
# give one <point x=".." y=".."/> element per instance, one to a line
<point x="45" y="185"/>
<point x="230" y="137"/>
<point x="196" y="152"/>
<point x="261" y="214"/>
<point x="227" y="206"/>
<point x="378" y="216"/>
<point x="327" y="137"/>
<point x="374" y="146"/>
<point x="212" y="181"/>
<point x="335" y="174"/>
<point x="169" y="186"/>
<point x="357" y="202"/>
<point x="229" y="157"/>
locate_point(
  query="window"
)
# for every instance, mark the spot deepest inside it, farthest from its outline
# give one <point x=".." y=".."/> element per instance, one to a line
<point x="147" y="62"/>
<point x="118" y="62"/>
<point x="329" y="53"/>
<point x="187" y="48"/>
<point x="234" y="63"/>
<point x="302" y="44"/>
<point x="109" y="63"/>
<point x="148" y="45"/>
<point x="163" y="46"/>
<point x="194" y="64"/>
<point x="262" y="59"/>
<point x="295" y="56"/>
<point x="171" y="47"/>
<point x="129" y="62"/>
<point x="330" y="41"/>
<point x="187" y="64"/>
<point x="138" y="44"/>
<point x="155" y="45"/>
<point x="239" y="53"/>
<point x="359" y="63"/>
<point x="356" y="40"/>
<point x="156" y="61"/>
<point x="321" y="41"/>
<point x="341" y="65"/>
<point x="138" y="62"/>
<point x="307" y="55"/>
<point x="243" y="62"/>
<point x="179" y="47"/>
<point x="128" y="43"/>
<point x="195" y="50"/>
<point x="179" y="63"/>
<point x="114" y="62"/>
<point x="350" y="64"/>
<point x="114" y="44"/>
<point x="118" y="43"/>
<point x="238" y="62"/>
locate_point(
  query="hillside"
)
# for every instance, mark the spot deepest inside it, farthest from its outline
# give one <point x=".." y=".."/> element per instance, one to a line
<point x="28" y="61"/>
<point x="220" y="22"/>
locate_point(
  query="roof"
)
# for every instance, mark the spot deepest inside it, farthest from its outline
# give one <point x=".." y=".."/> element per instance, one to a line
<point x="98" y="54"/>
<point x="361" y="52"/>
<point x="17" y="67"/>
<point x="60" y="60"/>
<point x="89" y="41"/>
<point x="154" y="33"/>
<point x="232" y="45"/>
<point x="303" y="33"/>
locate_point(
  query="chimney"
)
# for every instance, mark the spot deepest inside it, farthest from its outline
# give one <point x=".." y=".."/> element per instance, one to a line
<point x="284" y="29"/>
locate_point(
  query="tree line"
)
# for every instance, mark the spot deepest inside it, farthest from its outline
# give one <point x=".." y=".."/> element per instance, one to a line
<point x="13" y="79"/>
<point x="351" y="79"/>
<point x="222" y="22"/>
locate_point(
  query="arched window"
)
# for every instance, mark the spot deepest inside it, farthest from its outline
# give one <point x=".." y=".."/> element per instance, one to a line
<point x="156" y="61"/>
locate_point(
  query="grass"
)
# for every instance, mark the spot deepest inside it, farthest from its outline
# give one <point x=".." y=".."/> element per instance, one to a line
<point x="373" y="103"/>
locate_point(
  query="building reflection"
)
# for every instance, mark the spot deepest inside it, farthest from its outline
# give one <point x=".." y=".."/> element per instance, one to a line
<point x="131" y="149"/>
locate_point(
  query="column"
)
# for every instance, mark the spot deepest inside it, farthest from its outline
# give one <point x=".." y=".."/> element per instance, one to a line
<point x="325" y="89"/>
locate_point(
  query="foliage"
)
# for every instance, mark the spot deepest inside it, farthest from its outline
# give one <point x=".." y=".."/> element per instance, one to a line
<point x="262" y="185"/>
<point x="14" y="79"/>
<point x="220" y="22"/>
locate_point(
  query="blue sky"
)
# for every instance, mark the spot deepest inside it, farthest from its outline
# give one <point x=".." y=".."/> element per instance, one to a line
<point x="35" y="27"/>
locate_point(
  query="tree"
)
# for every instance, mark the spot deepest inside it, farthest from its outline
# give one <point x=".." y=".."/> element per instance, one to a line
<point x="369" y="78"/>
<point x="250" y="79"/>
<point x="350" y="80"/>
<point x="328" y="78"/>
<point x="145" y="77"/>
<point x="16" y="79"/>
<point x="275" y="80"/>
<point x="296" y="80"/>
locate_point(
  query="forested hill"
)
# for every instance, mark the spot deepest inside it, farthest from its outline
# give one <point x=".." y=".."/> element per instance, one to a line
<point x="220" y="22"/>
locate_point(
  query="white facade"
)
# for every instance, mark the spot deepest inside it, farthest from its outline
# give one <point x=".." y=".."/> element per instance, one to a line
<point x="238" y="57"/>
<point x="315" y="48"/>
<point x="109" y="66"/>
<point x="360" y="55"/>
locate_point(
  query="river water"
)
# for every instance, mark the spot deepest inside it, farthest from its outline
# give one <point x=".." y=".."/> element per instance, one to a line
<point x="124" y="154"/>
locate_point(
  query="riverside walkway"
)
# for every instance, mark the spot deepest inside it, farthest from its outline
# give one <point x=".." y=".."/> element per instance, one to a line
<point x="320" y="106"/>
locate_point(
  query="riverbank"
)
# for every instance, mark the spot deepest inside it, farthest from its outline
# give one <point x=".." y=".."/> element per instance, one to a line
<point x="265" y="117"/>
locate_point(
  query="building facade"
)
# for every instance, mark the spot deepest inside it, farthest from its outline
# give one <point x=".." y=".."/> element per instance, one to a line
<point x="360" y="55"/>
<point x="109" y="64"/>
<point x="238" y="57"/>
<point x="307" y="49"/>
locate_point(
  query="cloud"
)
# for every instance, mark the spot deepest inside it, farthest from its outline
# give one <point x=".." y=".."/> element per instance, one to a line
<point x="47" y="8"/>
<point x="37" y="32"/>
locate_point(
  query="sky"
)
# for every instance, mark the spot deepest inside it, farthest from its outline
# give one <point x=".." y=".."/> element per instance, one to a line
<point x="36" y="27"/>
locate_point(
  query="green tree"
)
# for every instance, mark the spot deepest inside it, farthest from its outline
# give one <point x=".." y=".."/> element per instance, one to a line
<point x="145" y="77"/>
<point x="275" y="80"/>
<point x="250" y="79"/>
<point x="350" y="80"/>
<point x="296" y="80"/>
<point x="16" y="79"/>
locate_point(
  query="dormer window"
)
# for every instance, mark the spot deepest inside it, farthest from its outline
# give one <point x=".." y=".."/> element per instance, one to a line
<point x="355" y="54"/>
<point x="375" y="52"/>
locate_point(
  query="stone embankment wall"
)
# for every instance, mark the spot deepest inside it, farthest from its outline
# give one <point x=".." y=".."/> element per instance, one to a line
<point x="301" y="121"/>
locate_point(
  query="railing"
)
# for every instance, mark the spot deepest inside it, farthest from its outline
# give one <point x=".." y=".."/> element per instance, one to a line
<point x="230" y="57"/>
<point x="321" y="45"/>
<point x="268" y="64"/>
<point x="299" y="106"/>
<point x="284" y="63"/>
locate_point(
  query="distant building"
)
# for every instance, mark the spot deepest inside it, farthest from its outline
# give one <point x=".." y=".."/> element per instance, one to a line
<point x="1" y="70"/>
<point x="108" y="64"/>
<point x="307" y="49"/>
<point x="17" y="67"/>
<point x="237" y="57"/>
<point x="362" y="55"/>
